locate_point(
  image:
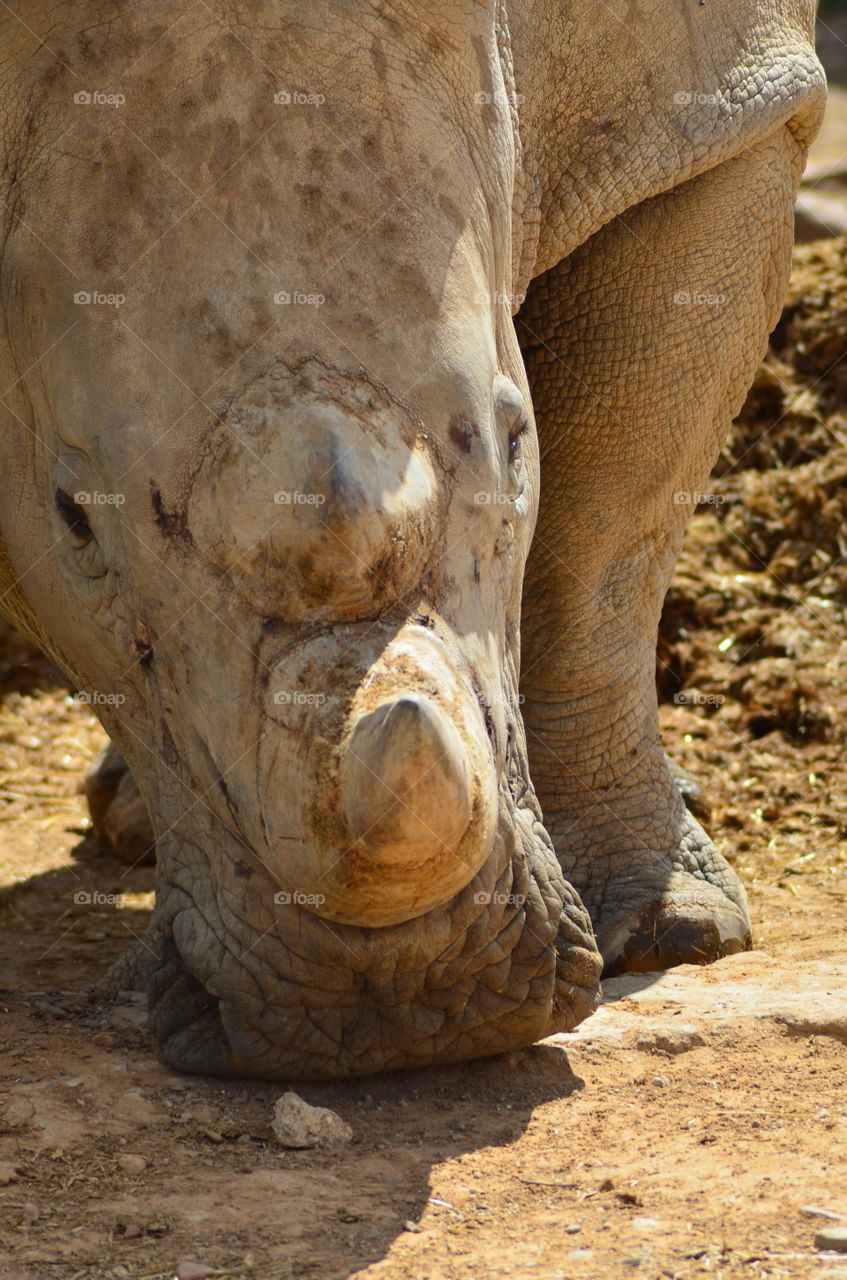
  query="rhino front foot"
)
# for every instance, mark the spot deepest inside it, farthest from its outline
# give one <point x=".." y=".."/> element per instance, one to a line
<point x="690" y="910"/>
<point x="696" y="914"/>
<point x="656" y="905"/>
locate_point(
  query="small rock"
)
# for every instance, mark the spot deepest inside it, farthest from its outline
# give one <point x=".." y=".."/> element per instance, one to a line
<point x="572" y="1228"/>
<point x="678" y="1040"/>
<point x="647" y="1224"/>
<point x="814" y="1211"/>
<point x="661" y="1082"/>
<point x="834" y="1238"/>
<point x="132" y="1231"/>
<point x="8" y="1173"/>
<point x="410" y="1226"/>
<point x="298" y="1125"/>
<point x="105" y="1039"/>
<point x="213" y="1135"/>
<point x="188" y="1269"/>
<point x="132" y="1164"/>
<point x="31" y="1211"/>
<point x="202" y="1114"/>
<point x="49" y="1009"/>
<point x="18" y="1112"/>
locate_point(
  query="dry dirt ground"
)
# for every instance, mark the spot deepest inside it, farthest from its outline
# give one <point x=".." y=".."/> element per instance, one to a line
<point x="682" y="1132"/>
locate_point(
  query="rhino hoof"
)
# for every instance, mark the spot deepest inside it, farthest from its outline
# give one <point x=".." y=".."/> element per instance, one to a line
<point x="684" y="928"/>
<point x="119" y="815"/>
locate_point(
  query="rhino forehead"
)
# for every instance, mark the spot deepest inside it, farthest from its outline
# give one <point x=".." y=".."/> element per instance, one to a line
<point x="201" y="202"/>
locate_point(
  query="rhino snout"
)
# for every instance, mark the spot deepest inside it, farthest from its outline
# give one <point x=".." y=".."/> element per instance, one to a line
<point x="405" y="783"/>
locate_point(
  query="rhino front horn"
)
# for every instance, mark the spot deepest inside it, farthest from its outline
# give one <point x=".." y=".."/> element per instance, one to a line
<point x="405" y="783"/>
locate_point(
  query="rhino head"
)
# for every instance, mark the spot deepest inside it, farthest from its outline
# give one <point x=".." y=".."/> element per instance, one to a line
<point x="273" y="479"/>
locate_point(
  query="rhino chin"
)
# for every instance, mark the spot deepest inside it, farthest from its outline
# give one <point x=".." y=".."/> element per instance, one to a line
<point x="255" y="983"/>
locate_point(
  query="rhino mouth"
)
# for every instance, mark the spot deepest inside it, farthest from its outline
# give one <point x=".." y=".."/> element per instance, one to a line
<point x="247" y="980"/>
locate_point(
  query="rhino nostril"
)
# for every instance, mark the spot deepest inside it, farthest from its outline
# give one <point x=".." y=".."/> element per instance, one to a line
<point x="405" y="782"/>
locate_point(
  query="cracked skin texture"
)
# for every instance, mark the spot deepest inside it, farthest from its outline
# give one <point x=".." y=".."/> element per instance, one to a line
<point x="629" y="171"/>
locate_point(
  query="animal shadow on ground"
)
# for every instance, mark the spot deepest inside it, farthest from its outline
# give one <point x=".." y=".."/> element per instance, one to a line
<point x="83" y="1085"/>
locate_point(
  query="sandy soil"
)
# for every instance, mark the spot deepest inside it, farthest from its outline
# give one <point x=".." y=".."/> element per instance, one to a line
<point x="623" y="1150"/>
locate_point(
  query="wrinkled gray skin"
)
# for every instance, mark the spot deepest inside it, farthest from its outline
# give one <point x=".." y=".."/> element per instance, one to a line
<point x="318" y="694"/>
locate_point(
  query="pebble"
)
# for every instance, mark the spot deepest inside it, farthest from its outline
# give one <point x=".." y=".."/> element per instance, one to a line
<point x="8" y="1173"/>
<point x="661" y="1082"/>
<point x="188" y="1269"/>
<point x="31" y="1211"/>
<point x="411" y="1226"/>
<point x="105" y="1039"/>
<point x="647" y="1224"/>
<point x="132" y="1164"/>
<point x="834" y="1238"/>
<point x="298" y="1125"/>
<point x="816" y="1211"/>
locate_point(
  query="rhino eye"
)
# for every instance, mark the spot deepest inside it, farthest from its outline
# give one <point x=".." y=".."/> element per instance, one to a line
<point x="75" y="518"/>
<point x="519" y="429"/>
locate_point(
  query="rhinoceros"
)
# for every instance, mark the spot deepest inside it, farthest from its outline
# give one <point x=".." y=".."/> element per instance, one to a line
<point x="315" y="316"/>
